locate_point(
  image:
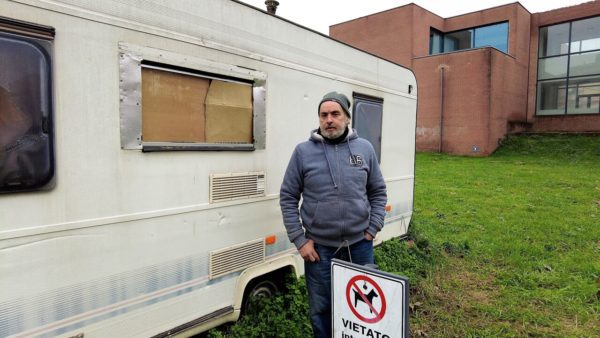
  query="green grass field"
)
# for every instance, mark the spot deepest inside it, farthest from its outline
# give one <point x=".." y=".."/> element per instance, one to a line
<point x="502" y="246"/>
<point x="519" y="234"/>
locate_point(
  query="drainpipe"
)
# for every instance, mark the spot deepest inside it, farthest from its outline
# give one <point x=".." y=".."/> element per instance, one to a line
<point x="441" y="147"/>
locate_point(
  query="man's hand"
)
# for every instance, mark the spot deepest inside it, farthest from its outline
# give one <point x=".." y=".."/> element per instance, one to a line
<point x="308" y="252"/>
<point x="368" y="236"/>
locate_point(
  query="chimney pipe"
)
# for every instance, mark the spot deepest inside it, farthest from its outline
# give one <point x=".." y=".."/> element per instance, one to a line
<point x="271" y="6"/>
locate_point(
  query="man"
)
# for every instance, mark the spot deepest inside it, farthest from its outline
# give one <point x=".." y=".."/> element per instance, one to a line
<point x="343" y="193"/>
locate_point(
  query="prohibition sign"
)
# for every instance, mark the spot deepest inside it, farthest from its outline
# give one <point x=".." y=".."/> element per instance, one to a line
<point x="352" y="285"/>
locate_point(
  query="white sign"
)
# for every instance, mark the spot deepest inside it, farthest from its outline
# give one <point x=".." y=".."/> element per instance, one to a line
<point x="367" y="302"/>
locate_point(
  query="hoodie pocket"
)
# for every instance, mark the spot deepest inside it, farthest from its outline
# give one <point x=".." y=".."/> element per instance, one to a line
<point x="327" y="213"/>
<point x="327" y="219"/>
<point x="356" y="215"/>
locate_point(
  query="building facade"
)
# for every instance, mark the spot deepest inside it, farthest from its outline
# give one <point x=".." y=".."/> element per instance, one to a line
<point x="486" y="74"/>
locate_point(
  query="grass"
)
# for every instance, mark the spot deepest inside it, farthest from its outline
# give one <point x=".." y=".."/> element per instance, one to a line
<point x="530" y="218"/>
<point x="503" y="246"/>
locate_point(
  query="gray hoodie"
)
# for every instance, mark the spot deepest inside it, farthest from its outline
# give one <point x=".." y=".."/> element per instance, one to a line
<point x="343" y="192"/>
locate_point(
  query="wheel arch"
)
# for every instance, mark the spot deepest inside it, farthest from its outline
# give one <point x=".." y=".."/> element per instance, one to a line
<point x="288" y="263"/>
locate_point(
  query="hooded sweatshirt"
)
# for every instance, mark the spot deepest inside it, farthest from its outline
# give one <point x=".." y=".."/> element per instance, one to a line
<point x="342" y="190"/>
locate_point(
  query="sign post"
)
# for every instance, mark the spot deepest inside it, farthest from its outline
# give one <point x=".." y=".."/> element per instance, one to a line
<point x="367" y="302"/>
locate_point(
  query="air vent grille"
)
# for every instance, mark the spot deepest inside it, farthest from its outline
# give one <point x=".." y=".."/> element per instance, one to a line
<point x="232" y="186"/>
<point x="235" y="258"/>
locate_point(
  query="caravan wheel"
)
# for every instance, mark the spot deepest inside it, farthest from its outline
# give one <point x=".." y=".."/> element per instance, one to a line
<point x="256" y="291"/>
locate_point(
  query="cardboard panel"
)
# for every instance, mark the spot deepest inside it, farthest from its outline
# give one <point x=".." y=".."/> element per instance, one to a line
<point x="229" y="113"/>
<point x="173" y="106"/>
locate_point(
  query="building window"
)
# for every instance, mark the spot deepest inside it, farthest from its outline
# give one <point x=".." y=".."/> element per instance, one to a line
<point x="569" y="68"/>
<point x="436" y="39"/>
<point x="207" y="106"/>
<point x="495" y="35"/>
<point x="26" y="128"/>
<point x="367" y="117"/>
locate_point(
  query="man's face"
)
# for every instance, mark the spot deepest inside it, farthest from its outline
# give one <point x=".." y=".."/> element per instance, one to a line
<point x="332" y="120"/>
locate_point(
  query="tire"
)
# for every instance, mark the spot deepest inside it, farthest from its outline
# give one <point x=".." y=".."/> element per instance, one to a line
<point x="264" y="288"/>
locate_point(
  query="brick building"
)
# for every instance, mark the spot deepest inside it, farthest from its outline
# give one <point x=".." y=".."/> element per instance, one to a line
<point x="486" y="74"/>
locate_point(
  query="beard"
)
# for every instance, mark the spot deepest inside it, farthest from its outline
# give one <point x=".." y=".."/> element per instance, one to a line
<point x="333" y="133"/>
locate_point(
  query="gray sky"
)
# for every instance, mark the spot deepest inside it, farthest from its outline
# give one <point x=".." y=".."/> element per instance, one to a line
<point x="320" y="14"/>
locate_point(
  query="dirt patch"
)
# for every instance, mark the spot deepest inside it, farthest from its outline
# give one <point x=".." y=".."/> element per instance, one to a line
<point x="455" y="295"/>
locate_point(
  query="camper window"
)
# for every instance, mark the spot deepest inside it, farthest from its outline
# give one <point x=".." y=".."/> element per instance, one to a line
<point x="26" y="147"/>
<point x="171" y="102"/>
<point x="367" y="119"/>
<point x="185" y="107"/>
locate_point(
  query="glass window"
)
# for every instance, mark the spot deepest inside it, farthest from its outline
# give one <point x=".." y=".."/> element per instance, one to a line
<point x="26" y="145"/>
<point x="584" y="95"/>
<point x="551" y="97"/>
<point x="554" y="40"/>
<point x="585" y="35"/>
<point x="551" y="68"/>
<point x="435" y="41"/>
<point x="495" y="36"/>
<point x="577" y="65"/>
<point x="584" y="64"/>
<point x="367" y="119"/>
<point x="458" y="40"/>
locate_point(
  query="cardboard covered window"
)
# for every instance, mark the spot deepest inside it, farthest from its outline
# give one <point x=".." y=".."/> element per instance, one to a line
<point x="171" y="101"/>
<point x="184" y="108"/>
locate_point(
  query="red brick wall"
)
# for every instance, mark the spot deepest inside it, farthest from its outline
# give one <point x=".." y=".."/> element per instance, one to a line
<point x="387" y="34"/>
<point x="484" y="89"/>
<point x="476" y="110"/>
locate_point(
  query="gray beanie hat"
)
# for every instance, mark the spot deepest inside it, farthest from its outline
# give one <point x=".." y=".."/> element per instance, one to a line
<point x="339" y="98"/>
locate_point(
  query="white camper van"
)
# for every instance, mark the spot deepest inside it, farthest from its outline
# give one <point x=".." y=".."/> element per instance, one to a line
<point x="142" y="147"/>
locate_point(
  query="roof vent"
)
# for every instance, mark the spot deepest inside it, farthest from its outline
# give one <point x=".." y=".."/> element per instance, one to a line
<point x="271" y="6"/>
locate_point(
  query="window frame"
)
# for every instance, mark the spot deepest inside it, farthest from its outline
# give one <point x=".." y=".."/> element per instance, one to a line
<point x="40" y="39"/>
<point x="443" y="36"/>
<point x="133" y="58"/>
<point x="567" y="78"/>
<point x="359" y="97"/>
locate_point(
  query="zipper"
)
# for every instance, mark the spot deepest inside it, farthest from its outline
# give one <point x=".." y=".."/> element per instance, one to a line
<point x="339" y="193"/>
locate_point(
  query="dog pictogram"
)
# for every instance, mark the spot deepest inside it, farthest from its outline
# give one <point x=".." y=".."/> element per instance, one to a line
<point x="370" y="295"/>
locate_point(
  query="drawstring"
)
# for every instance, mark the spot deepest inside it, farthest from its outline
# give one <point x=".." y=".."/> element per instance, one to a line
<point x="352" y="158"/>
<point x="329" y="165"/>
<point x="347" y="245"/>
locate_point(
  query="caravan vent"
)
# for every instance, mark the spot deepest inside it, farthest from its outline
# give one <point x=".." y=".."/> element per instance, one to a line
<point x="226" y="187"/>
<point x="235" y="258"/>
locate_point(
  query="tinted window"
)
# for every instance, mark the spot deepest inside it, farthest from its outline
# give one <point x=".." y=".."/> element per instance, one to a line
<point x="569" y="68"/>
<point x="367" y="118"/>
<point x="554" y="40"/>
<point x="495" y="36"/>
<point x="26" y="152"/>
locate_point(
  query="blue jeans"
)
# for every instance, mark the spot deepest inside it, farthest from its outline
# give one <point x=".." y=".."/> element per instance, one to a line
<point x="318" y="281"/>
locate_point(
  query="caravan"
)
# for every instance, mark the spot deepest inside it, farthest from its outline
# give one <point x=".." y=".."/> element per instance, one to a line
<point x="142" y="147"/>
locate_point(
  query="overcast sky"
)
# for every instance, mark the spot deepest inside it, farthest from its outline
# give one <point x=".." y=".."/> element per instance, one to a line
<point x="320" y="14"/>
